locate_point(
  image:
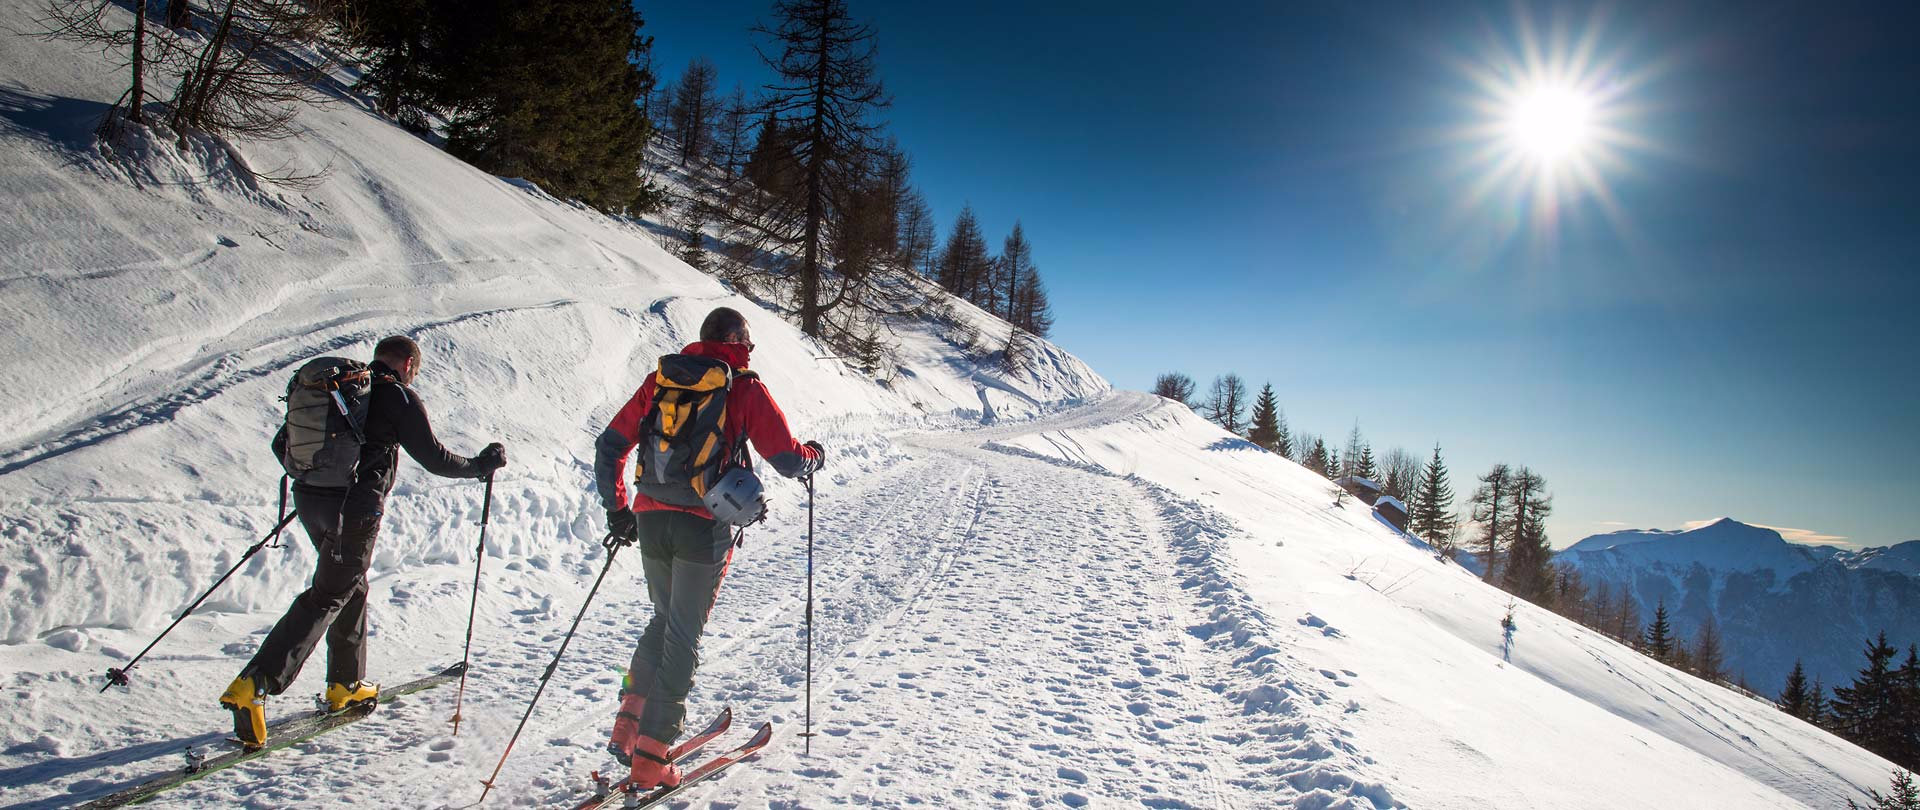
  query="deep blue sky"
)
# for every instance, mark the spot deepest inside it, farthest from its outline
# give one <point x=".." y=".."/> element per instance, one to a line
<point x="1277" y="190"/>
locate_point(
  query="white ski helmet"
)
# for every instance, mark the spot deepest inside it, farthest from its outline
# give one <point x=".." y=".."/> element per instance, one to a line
<point x="737" y="499"/>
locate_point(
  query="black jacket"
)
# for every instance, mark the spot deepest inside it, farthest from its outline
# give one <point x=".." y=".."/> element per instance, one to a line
<point x="396" y="418"/>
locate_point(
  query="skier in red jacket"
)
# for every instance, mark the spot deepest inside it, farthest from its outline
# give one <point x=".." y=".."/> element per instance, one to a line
<point x="684" y="550"/>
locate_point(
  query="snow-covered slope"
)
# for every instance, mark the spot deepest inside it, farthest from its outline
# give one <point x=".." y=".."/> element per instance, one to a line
<point x="1104" y="602"/>
<point x="154" y="328"/>
<point x="1365" y="618"/>
<point x="1776" y="602"/>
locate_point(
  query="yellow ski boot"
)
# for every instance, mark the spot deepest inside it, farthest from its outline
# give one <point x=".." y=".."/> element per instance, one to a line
<point x="249" y="706"/>
<point x="344" y="696"/>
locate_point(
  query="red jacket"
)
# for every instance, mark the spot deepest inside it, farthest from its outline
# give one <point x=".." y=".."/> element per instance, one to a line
<point x="751" y="412"/>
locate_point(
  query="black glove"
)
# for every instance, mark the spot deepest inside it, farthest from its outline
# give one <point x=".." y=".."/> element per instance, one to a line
<point x="819" y="458"/>
<point x="492" y="458"/>
<point x="622" y="527"/>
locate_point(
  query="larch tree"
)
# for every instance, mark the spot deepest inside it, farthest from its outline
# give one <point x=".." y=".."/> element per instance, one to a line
<point x="1709" y="652"/>
<point x="1175" y="386"/>
<point x="732" y="133"/>
<point x="1529" y="569"/>
<point x="828" y="89"/>
<point x="1400" y="472"/>
<point x="695" y="111"/>
<point x="964" y="263"/>
<point x="1226" y="403"/>
<point x="1490" y="511"/>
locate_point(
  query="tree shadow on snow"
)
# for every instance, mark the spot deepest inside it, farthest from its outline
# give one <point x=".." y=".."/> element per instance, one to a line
<point x="86" y="790"/>
<point x="67" y="123"/>
<point x="1233" y="444"/>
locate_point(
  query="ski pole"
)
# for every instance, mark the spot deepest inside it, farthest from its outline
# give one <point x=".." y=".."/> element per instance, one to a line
<point x="117" y="676"/>
<point x="613" y="547"/>
<point x="479" y="553"/>
<point x="807" y="735"/>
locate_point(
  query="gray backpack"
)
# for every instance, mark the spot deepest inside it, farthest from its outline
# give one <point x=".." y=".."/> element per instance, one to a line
<point x="326" y="412"/>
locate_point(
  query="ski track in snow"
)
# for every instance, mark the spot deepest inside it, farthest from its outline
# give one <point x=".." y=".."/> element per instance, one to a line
<point x="1060" y="635"/>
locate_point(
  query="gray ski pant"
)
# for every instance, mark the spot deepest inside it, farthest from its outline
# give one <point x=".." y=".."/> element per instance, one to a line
<point x="685" y="558"/>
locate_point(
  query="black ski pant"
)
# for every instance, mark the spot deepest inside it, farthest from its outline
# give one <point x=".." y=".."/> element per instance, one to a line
<point x="334" y="605"/>
<point x="685" y="557"/>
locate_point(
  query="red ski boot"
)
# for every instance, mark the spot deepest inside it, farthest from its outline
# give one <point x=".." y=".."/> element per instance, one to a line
<point x="651" y="768"/>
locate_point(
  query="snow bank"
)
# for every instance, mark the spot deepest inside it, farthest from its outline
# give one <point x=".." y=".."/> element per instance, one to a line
<point x="154" y="310"/>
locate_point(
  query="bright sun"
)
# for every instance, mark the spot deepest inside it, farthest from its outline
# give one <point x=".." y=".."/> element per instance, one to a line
<point x="1551" y="123"/>
<point x="1551" y="114"/>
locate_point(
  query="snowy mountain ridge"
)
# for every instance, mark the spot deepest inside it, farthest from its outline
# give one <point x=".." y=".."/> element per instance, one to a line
<point x="1775" y="601"/>
<point x="1099" y="600"/>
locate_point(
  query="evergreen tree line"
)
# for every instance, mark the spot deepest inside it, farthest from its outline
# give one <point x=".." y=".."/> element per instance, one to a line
<point x="548" y="92"/>
<point x="814" y="210"/>
<point x="541" y="91"/>
<point x="1879" y="711"/>
<point x="811" y="208"/>
<point x="1425" y="488"/>
<point x="1506" y="528"/>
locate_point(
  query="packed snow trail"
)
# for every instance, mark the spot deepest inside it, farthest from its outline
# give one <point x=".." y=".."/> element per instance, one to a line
<point x="991" y="629"/>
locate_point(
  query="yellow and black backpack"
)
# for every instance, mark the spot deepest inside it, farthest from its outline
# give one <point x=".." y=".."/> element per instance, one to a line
<point x="683" y="441"/>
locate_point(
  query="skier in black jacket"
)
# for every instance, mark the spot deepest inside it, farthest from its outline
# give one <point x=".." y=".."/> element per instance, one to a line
<point x="342" y="524"/>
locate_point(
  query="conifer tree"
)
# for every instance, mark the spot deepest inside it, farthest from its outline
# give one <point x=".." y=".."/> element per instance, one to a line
<point x="1265" y="428"/>
<point x="695" y="110"/>
<point x="1175" y="386"/>
<point x="964" y="263"/>
<point x="1490" y="511"/>
<point x="1659" y="641"/>
<point x="918" y="241"/>
<point x="1864" y="712"/>
<point x="406" y="51"/>
<point x="1908" y="709"/>
<point x="1318" y="460"/>
<point x="1016" y="263"/>
<point x="1569" y="597"/>
<point x="1351" y="456"/>
<point x="1226" y="403"/>
<point x="1709" y="659"/>
<point x="1626" y="623"/>
<point x="548" y="92"/>
<point x="1601" y="609"/>
<point x="1284" y="443"/>
<point x="1904" y="794"/>
<point x="693" y="223"/>
<point x="1797" y="698"/>
<point x="1031" y="310"/>
<point x="1433" y="518"/>
<point x="731" y="133"/>
<point x="825" y="65"/>
<point x="1822" y="709"/>
<point x="1528" y="574"/>
<point x="1399" y="472"/>
<point x="1365" y="467"/>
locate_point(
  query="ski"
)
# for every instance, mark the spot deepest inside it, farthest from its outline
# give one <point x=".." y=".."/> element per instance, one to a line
<point x="624" y="797"/>
<point x="602" y="785"/>
<point x="280" y="734"/>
